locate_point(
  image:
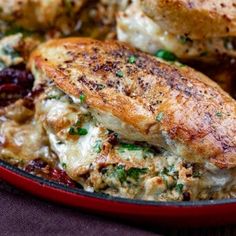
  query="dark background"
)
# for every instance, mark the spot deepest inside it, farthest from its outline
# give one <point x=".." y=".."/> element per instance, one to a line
<point x="24" y="214"/>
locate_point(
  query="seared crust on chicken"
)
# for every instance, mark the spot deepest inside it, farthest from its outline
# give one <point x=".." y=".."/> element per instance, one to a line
<point x="143" y="98"/>
<point x="196" y="19"/>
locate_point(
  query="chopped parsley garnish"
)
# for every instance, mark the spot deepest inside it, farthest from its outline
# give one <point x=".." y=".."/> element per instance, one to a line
<point x="119" y="73"/>
<point x="170" y="171"/>
<point x="146" y="150"/>
<point x="130" y="146"/>
<point x="219" y="114"/>
<point x="72" y="131"/>
<point x="63" y="165"/>
<point x="120" y="173"/>
<point x="179" y="188"/>
<point x="82" y="131"/>
<point x="98" y="146"/>
<point x="82" y="98"/>
<point x="77" y="131"/>
<point x="166" y="55"/>
<point x="160" y="116"/>
<point x="165" y="171"/>
<point x="134" y="173"/>
<point x="132" y="59"/>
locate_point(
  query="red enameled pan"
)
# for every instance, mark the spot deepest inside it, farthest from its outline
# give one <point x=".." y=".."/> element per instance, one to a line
<point x="193" y="213"/>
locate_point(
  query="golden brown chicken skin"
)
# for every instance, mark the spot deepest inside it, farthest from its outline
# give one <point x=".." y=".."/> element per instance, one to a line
<point x="143" y="98"/>
<point x="196" y="18"/>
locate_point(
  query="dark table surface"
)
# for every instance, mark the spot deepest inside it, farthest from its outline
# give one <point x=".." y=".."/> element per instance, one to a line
<point x="24" y="214"/>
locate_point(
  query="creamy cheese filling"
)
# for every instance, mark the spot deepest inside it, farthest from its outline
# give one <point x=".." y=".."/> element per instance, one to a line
<point x="102" y="161"/>
<point x="99" y="159"/>
<point x="134" y="27"/>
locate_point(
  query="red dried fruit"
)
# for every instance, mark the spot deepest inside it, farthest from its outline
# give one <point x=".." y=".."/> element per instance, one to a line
<point x="14" y="84"/>
<point x="41" y="168"/>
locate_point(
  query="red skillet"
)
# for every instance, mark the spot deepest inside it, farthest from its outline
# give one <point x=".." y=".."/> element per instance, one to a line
<point x="193" y="213"/>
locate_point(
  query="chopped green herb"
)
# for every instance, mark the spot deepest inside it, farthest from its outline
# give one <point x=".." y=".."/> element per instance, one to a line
<point x="219" y="114"/>
<point x="63" y="165"/>
<point x="147" y="151"/>
<point x="179" y="188"/>
<point x="120" y="173"/>
<point x="77" y="131"/>
<point x="170" y="170"/>
<point x="134" y="173"/>
<point x="165" y="171"/>
<point x="169" y="184"/>
<point x="166" y="55"/>
<point x="82" y="131"/>
<point x="130" y="146"/>
<point x="82" y="98"/>
<point x="72" y="131"/>
<point x="132" y="59"/>
<point x="160" y="116"/>
<point x="119" y="73"/>
<point x="98" y="146"/>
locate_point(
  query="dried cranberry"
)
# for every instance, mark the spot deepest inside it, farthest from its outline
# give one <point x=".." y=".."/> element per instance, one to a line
<point x="14" y="84"/>
<point x="186" y="196"/>
<point x="41" y="168"/>
<point x="36" y="164"/>
<point x="112" y="139"/>
<point x="61" y="177"/>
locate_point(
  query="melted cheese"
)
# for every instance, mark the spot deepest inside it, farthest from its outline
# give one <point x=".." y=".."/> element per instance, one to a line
<point x="134" y="27"/>
<point x="77" y="154"/>
<point x="124" y="169"/>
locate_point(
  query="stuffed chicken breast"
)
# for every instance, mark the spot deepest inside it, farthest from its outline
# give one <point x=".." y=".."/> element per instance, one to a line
<point x="196" y="18"/>
<point x="202" y="30"/>
<point x="128" y="124"/>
